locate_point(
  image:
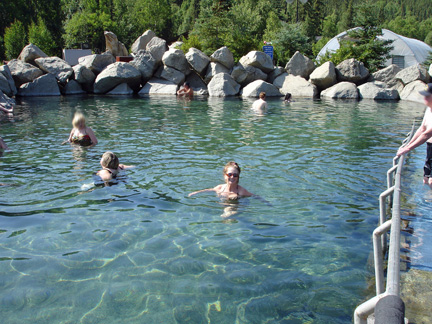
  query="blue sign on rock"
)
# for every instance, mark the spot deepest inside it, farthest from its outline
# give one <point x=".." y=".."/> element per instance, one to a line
<point x="268" y="49"/>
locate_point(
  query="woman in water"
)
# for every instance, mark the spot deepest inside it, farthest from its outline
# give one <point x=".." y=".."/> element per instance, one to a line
<point x="110" y="166"/>
<point x="81" y="134"/>
<point x="231" y="188"/>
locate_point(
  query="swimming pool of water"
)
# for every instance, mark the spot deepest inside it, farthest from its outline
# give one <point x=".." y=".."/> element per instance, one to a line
<point x="142" y="251"/>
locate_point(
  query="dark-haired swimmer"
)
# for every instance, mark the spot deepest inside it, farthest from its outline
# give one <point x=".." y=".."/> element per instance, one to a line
<point x="231" y="188"/>
<point x="186" y="91"/>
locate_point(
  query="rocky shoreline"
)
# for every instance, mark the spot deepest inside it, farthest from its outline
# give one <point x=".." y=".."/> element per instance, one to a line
<point x="153" y="68"/>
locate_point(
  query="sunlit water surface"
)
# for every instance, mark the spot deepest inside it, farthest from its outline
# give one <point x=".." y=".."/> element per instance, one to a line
<point x="142" y="251"/>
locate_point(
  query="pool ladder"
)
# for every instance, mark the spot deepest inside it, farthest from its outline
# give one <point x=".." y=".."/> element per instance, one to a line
<point x="379" y="238"/>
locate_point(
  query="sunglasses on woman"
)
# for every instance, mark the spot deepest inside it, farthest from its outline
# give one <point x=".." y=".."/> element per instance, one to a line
<point x="229" y="175"/>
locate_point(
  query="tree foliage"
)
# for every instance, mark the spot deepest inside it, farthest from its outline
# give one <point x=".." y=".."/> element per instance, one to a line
<point x="14" y="39"/>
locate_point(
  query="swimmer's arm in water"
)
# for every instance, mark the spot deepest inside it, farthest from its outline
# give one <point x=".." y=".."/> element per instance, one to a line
<point x="216" y="189"/>
<point x="70" y="137"/>
<point x="90" y="133"/>
<point x="124" y="167"/>
<point x="105" y="175"/>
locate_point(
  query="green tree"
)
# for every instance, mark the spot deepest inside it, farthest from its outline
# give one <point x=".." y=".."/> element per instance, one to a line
<point x="288" y="40"/>
<point x="314" y="18"/>
<point x="346" y="21"/>
<point x="213" y="25"/>
<point x="363" y="43"/>
<point x="40" y="36"/>
<point x="15" y="39"/>
<point x="188" y="14"/>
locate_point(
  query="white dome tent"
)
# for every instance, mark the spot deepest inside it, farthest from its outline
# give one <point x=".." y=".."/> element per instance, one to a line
<point x="406" y="51"/>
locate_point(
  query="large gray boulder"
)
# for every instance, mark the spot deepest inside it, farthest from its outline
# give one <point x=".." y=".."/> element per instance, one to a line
<point x="223" y="56"/>
<point x="255" y="88"/>
<point x="170" y="74"/>
<point x="279" y="81"/>
<point x="142" y="41"/>
<point x="4" y="99"/>
<point x="377" y="90"/>
<point x="213" y="69"/>
<point x="73" y="88"/>
<point x="83" y="75"/>
<point x="352" y="70"/>
<point x="197" y="60"/>
<point x="176" y="59"/>
<point x="413" y="73"/>
<point x="342" y="90"/>
<point x="324" y="76"/>
<point x="145" y="63"/>
<point x="157" y="47"/>
<point x="386" y="75"/>
<point x="157" y="86"/>
<point x="115" y="74"/>
<point x="30" y="53"/>
<point x="300" y="65"/>
<point x="245" y="74"/>
<point x="45" y="85"/>
<point x="97" y="62"/>
<point x="7" y="83"/>
<point x="55" y="66"/>
<point x="411" y="91"/>
<point x="23" y="72"/>
<point x="279" y="70"/>
<point x="298" y="87"/>
<point x="114" y="46"/>
<point x="259" y="60"/>
<point x="121" y="90"/>
<point x="223" y="85"/>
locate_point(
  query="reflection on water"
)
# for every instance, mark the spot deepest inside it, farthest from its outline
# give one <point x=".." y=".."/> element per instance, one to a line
<point x="141" y="251"/>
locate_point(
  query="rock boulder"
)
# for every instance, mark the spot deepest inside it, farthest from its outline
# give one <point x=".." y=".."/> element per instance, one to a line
<point x="97" y="62"/>
<point x="253" y="89"/>
<point x="411" y="91"/>
<point x="45" y="85"/>
<point x="342" y="90"/>
<point x="324" y="76"/>
<point x="176" y="59"/>
<point x="223" y="85"/>
<point x="298" y="87"/>
<point x="413" y="73"/>
<point x="30" y="53"/>
<point x="7" y="83"/>
<point x="157" y="47"/>
<point x="142" y="41"/>
<point x="352" y="70"/>
<point x="386" y="75"/>
<point x="157" y="86"/>
<point x="245" y="74"/>
<point x="377" y="90"/>
<point x="259" y="60"/>
<point x="300" y="65"/>
<point x="115" y="74"/>
<point x="114" y="46"/>
<point x="145" y="63"/>
<point x="23" y="72"/>
<point x="213" y="69"/>
<point x="223" y="56"/>
<point x="197" y="60"/>
<point x="55" y="66"/>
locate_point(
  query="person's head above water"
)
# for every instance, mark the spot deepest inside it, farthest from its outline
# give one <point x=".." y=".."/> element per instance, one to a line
<point x="78" y="120"/>
<point x="186" y="85"/>
<point x="262" y="95"/>
<point x="287" y="96"/>
<point x="109" y="160"/>
<point x="232" y="169"/>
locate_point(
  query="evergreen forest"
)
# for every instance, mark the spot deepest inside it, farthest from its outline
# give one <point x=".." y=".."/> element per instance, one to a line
<point x="241" y="25"/>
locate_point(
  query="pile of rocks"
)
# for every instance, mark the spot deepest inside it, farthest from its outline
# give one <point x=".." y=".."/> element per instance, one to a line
<point x="159" y="69"/>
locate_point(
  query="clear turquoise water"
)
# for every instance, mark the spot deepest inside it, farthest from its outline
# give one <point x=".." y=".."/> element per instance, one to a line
<point x="141" y="251"/>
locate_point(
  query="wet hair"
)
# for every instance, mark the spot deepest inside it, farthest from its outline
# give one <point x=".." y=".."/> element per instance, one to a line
<point x="187" y="84"/>
<point x="231" y="164"/>
<point x="78" y="119"/>
<point x="262" y="95"/>
<point x="110" y="160"/>
<point x="287" y="96"/>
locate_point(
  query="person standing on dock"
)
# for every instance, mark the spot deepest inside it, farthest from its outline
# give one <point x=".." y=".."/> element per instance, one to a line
<point x="422" y="135"/>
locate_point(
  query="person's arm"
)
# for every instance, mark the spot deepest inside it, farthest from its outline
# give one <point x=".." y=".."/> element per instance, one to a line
<point x="3" y="107"/>
<point x="421" y="136"/>
<point x="199" y="191"/>
<point x="70" y="137"/>
<point x="90" y="133"/>
<point x="181" y="92"/>
<point x="123" y="167"/>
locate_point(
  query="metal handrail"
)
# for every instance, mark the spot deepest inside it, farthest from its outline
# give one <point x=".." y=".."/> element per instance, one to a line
<point x="379" y="239"/>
